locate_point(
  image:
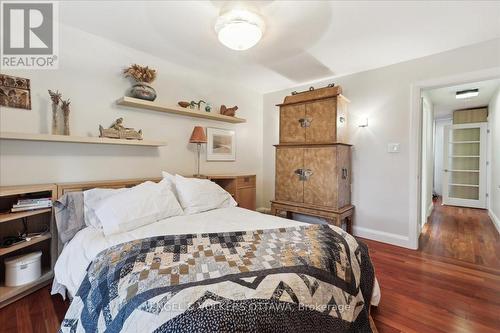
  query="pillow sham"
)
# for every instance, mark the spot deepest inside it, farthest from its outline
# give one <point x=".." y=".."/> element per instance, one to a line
<point x="199" y="195"/>
<point x="140" y="205"/>
<point x="91" y="199"/>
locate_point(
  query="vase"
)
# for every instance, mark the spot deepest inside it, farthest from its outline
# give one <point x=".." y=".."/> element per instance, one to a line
<point x="143" y="90"/>
<point x="66" y="122"/>
<point x="55" y="123"/>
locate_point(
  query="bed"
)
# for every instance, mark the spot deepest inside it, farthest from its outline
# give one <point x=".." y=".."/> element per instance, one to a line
<point x="227" y="269"/>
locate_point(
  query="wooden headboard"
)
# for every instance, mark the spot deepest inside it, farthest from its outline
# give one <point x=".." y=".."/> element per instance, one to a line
<point x="63" y="188"/>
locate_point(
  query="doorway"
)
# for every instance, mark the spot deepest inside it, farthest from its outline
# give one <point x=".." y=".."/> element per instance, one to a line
<point x="455" y="148"/>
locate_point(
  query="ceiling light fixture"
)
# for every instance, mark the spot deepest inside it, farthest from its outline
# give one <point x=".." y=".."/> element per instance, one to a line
<point x="239" y="29"/>
<point x="467" y="93"/>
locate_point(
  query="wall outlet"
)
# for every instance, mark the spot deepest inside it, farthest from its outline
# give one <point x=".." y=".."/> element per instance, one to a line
<point x="393" y="148"/>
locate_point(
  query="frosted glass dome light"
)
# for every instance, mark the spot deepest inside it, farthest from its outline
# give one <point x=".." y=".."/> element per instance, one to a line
<point x="239" y="29"/>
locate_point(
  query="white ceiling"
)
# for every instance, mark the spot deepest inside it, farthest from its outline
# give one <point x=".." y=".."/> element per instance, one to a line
<point x="445" y="102"/>
<point x="304" y="40"/>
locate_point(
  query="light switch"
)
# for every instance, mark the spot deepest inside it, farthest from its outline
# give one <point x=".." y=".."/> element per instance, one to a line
<point x="393" y="148"/>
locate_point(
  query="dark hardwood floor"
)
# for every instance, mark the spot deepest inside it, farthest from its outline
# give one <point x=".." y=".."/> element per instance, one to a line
<point x="465" y="234"/>
<point x="452" y="284"/>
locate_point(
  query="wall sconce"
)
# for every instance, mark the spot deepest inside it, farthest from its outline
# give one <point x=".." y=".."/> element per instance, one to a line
<point x="363" y="123"/>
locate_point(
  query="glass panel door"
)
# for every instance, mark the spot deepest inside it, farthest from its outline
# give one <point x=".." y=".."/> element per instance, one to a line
<point x="465" y="165"/>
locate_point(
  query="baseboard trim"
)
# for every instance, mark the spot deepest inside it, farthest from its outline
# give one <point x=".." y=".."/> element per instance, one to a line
<point x="495" y="219"/>
<point x="429" y="211"/>
<point x="382" y="236"/>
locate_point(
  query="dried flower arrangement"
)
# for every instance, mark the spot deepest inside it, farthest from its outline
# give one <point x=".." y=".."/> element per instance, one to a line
<point x="140" y="73"/>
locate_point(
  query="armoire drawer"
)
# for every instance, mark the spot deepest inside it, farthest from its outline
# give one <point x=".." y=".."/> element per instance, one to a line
<point x="245" y="181"/>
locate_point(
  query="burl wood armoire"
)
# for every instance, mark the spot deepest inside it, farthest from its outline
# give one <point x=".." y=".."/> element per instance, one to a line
<point x="313" y="162"/>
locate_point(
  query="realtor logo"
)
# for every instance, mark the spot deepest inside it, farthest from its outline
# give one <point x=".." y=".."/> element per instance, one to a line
<point x="29" y="35"/>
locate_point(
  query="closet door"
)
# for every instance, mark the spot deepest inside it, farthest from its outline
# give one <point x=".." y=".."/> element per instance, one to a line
<point x="464" y="174"/>
<point x="292" y="123"/>
<point x="320" y="185"/>
<point x="322" y="120"/>
<point x="289" y="186"/>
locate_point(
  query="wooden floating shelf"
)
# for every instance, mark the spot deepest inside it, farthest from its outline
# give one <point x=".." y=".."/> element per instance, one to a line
<point x="78" y="139"/>
<point x="5" y="217"/>
<point x="8" y="294"/>
<point x="147" y="105"/>
<point x="22" y="245"/>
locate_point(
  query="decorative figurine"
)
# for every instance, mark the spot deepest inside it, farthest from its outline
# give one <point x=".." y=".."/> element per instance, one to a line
<point x="193" y="104"/>
<point x="228" y="111"/>
<point x="118" y="131"/>
<point x="184" y="104"/>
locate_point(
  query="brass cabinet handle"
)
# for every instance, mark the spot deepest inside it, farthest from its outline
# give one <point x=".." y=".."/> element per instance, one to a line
<point x="303" y="174"/>
<point x="307" y="174"/>
<point x="305" y="122"/>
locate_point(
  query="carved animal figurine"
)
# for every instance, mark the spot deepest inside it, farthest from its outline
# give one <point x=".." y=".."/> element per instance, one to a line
<point x="184" y="104"/>
<point x="118" y="131"/>
<point x="228" y="111"/>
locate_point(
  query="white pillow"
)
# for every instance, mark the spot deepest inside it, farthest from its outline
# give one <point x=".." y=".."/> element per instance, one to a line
<point x="170" y="180"/>
<point x="91" y="199"/>
<point x="199" y="195"/>
<point x="140" y="205"/>
<point x="168" y="177"/>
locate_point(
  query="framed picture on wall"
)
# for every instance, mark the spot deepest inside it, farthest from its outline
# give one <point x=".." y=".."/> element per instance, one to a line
<point x="15" y="92"/>
<point x="221" y="144"/>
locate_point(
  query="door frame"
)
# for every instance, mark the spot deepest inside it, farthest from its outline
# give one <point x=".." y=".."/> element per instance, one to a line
<point x="415" y="142"/>
<point x="481" y="202"/>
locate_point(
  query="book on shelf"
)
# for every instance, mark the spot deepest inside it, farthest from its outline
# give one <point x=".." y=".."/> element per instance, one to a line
<point x="32" y="201"/>
<point x="31" y="207"/>
<point x="40" y="203"/>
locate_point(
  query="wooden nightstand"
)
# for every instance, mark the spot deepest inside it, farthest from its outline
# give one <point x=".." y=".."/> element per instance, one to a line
<point x="241" y="187"/>
<point x="36" y="221"/>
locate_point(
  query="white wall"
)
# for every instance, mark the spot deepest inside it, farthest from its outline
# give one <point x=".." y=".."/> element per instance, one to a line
<point x="439" y="125"/>
<point x="380" y="179"/>
<point x="90" y="75"/>
<point x="427" y="157"/>
<point x="494" y="190"/>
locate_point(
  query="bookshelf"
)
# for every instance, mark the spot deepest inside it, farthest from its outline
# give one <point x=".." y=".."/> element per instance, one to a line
<point x="40" y="220"/>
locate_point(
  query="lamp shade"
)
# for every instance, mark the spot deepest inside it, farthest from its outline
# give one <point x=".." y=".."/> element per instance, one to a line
<point x="198" y="135"/>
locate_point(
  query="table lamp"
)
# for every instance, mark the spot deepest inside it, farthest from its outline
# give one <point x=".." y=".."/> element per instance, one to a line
<point x="198" y="136"/>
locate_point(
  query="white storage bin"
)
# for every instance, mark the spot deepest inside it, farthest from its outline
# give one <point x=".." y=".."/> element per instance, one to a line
<point x="23" y="269"/>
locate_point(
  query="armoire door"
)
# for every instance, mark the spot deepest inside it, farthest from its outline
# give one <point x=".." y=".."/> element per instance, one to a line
<point x="343" y="176"/>
<point x="289" y="186"/>
<point x="320" y="187"/>
<point x="322" y="120"/>
<point x="292" y="123"/>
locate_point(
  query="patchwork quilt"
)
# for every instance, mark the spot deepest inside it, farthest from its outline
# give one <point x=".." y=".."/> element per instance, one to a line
<point x="314" y="278"/>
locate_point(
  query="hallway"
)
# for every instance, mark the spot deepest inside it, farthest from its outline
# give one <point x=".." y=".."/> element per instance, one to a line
<point x="466" y="234"/>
